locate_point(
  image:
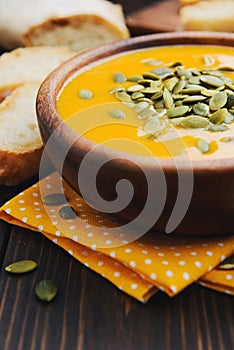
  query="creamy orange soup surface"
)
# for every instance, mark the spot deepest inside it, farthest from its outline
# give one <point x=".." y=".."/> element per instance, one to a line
<point x="106" y="119"/>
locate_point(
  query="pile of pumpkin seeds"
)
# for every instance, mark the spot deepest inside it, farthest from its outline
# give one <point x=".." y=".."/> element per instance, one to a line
<point x="172" y="95"/>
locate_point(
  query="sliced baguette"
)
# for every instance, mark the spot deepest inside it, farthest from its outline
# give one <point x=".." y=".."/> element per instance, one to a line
<point x="20" y="141"/>
<point x="26" y="64"/>
<point x="21" y="73"/>
<point x="208" y="15"/>
<point x="73" y="23"/>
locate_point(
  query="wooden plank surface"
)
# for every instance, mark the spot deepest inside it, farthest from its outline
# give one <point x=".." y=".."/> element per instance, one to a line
<point x="159" y="16"/>
<point x="91" y="314"/>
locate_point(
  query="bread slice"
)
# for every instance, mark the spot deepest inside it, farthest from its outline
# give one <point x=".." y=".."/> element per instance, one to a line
<point x="208" y="15"/>
<point x="21" y="73"/>
<point x="26" y="64"/>
<point x="73" y="23"/>
<point x="20" y="141"/>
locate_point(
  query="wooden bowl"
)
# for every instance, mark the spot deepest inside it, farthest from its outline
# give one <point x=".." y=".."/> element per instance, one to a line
<point x="210" y="209"/>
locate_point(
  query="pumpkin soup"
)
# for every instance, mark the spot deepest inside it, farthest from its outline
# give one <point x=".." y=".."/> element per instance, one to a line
<point x="164" y="100"/>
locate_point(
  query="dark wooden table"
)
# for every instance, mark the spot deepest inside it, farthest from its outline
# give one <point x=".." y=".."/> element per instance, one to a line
<point x="91" y="314"/>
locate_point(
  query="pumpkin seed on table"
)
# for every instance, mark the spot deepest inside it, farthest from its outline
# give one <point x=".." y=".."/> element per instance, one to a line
<point x="227" y="139"/>
<point x="85" y="94"/>
<point x="21" y="266"/>
<point x="216" y="127"/>
<point x="46" y="290"/>
<point x="203" y="146"/>
<point x="67" y="212"/>
<point x="54" y="199"/>
<point x="119" y="77"/>
<point x="194" y="98"/>
<point x="227" y="264"/>
<point x="179" y="86"/>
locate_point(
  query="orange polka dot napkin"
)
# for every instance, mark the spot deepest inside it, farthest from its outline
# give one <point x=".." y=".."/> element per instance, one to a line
<point x="154" y="261"/>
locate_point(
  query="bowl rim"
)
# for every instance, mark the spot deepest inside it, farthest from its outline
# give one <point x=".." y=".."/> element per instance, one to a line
<point x="53" y="83"/>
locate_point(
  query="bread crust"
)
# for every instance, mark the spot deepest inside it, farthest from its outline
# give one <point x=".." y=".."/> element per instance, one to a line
<point x="18" y="167"/>
<point x="21" y="145"/>
<point x="208" y="15"/>
<point x="16" y="31"/>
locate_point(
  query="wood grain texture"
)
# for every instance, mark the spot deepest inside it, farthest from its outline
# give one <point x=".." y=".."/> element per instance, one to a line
<point x="90" y="314"/>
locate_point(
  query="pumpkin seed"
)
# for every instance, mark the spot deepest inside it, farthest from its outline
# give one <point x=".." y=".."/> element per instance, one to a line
<point x="194" y="98"/>
<point x="155" y="83"/>
<point x="219" y="116"/>
<point x="194" y="80"/>
<point x="67" y="212"/>
<point x="162" y="71"/>
<point x="137" y="95"/>
<point x="117" y="114"/>
<point x="170" y="84"/>
<point x="157" y="95"/>
<point x="208" y="60"/>
<point x="216" y="127"/>
<point x="134" y="78"/>
<point x="201" y="109"/>
<point x="152" y="126"/>
<point x="147" y="112"/>
<point x="177" y="121"/>
<point x="194" y="121"/>
<point x="85" y="94"/>
<point x="193" y="89"/>
<point x="195" y="72"/>
<point x="230" y="86"/>
<point x="150" y="75"/>
<point x="211" y="80"/>
<point x="151" y="62"/>
<point x="135" y="88"/>
<point x="54" y="199"/>
<point x="119" y="77"/>
<point x="183" y="73"/>
<point x="168" y="100"/>
<point x="116" y="89"/>
<point x="230" y="102"/>
<point x="21" y="266"/>
<point x="213" y="72"/>
<point x="179" y="96"/>
<point x="145" y="82"/>
<point x="227" y="264"/>
<point x="208" y="92"/>
<point x="46" y="290"/>
<point x="226" y="69"/>
<point x="203" y="146"/>
<point x="227" y="139"/>
<point x="175" y="64"/>
<point x="218" y="100"/>
<point x="150" y="90"/>
<point x="123" y="96"/>
<point x="229" y="118"/>
<point x="140" y="106"/>
<point x="179" y="86"/>
<point x="177" y="111"/>
<point x="178" y="103"/>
